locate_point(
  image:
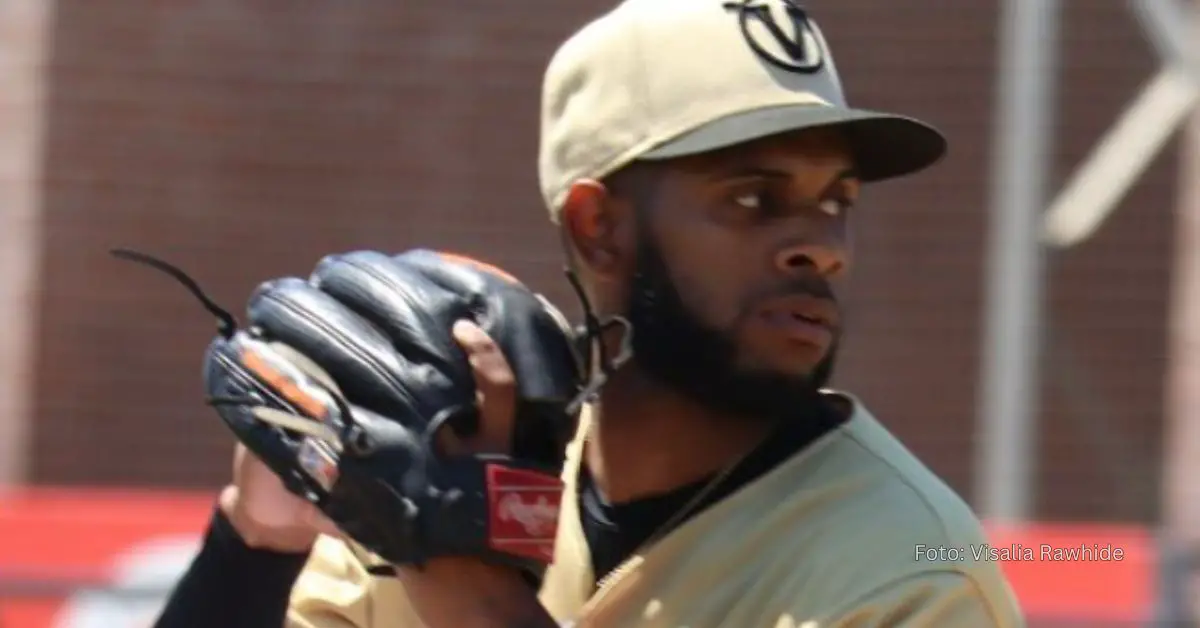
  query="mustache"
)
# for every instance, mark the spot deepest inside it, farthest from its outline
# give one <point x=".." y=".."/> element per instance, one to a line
<point x="815" y="287"/>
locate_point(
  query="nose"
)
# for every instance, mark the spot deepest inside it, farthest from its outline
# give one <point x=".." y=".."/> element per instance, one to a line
<point x="829" y="259"/>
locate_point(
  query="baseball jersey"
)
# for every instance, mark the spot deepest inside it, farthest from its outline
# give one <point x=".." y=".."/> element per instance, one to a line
<point x="851" y="532"/>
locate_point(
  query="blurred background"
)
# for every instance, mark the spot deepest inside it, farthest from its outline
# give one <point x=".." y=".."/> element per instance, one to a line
<point x="1026" y="316"/>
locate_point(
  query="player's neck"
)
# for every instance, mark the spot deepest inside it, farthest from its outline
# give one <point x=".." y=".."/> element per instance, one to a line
<point x="647" y="441"/>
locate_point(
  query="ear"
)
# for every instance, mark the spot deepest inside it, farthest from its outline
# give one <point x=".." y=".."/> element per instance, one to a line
<point x="598" y="226"/>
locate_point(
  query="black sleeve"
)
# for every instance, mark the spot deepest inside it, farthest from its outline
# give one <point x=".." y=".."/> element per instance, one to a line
<point x="232" y="585"/>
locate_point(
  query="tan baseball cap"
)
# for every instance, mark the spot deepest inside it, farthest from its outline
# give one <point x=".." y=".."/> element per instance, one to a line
<point x="658" y="79"/>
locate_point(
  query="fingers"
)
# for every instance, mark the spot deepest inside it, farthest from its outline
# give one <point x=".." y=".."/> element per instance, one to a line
<point x="496" y="386"/>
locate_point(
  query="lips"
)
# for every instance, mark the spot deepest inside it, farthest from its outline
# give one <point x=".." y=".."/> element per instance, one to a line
<point x="803" y="318"/>
<point x="809" y="309"/>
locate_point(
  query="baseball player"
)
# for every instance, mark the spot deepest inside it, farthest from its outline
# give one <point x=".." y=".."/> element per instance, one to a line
<point x="704" y="170"/>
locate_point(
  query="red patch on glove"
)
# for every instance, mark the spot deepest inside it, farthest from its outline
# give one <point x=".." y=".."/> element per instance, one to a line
<point x="523" y="507"/>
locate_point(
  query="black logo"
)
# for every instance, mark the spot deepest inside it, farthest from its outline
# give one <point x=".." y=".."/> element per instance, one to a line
<point x="795" y="51"/>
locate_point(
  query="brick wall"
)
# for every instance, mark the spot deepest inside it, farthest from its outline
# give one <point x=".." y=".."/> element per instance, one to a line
<point x="243" y="140"/>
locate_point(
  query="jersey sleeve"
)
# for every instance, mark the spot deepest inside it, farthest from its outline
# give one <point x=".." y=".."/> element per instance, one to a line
<point x="229" y="583"/>
<point x="934" y="599"/>
<point x="335" y="591"/>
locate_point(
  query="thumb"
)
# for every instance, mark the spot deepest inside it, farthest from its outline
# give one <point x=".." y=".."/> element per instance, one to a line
<point x="495" y="384"/>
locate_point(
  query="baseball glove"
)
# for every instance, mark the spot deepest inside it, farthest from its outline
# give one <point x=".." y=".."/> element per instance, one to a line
<point x="341" y="383"/>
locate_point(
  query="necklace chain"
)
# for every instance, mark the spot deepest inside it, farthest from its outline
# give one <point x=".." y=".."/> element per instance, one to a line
<point x="695" y="502"/>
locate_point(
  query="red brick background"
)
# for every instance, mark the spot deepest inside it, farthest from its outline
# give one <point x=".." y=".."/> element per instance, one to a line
<point x="244" y="140"/>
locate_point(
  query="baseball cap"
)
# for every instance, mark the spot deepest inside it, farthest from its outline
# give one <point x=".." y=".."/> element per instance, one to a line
<point x="659" y="79"/>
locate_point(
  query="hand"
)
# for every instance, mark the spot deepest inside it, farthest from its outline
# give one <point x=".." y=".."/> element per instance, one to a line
<point x="268" y="516"/>
<point x="496" y="395"/>
<point x="265" y="514"/>
<point x="467" y="592"/>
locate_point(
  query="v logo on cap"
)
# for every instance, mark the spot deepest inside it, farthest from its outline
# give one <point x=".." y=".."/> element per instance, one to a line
<point x="797" y="51"/>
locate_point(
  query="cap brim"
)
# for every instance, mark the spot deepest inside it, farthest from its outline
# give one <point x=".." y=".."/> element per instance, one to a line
<point x="884" y="145"/>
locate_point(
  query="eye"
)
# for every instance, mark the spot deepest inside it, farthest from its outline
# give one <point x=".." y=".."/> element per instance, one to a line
<point x="834" y="206"/>
<point x="749" y="200"/>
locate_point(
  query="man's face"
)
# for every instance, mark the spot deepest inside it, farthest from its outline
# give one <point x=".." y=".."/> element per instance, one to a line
<point x="733" y="297"/>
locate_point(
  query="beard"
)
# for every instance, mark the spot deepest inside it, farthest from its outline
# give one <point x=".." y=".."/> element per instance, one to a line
<point x="674" y="347"/>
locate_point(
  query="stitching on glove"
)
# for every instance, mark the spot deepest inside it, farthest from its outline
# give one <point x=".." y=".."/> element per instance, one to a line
<point x="366" y="357"/>
<point x="427" y="356"/>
